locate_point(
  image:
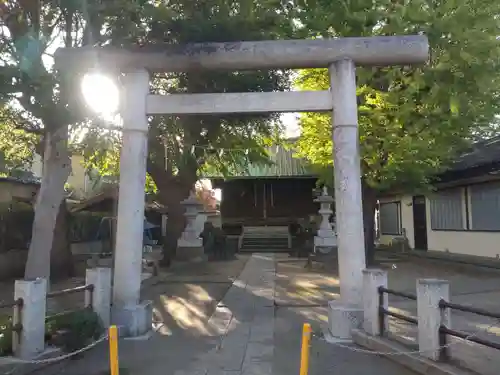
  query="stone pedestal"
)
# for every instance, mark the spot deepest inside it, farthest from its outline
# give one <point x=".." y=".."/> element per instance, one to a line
<point x="326" y="240"/>
<point x="32" y="317"/>
<point x="190" y="245"/>
<point x="214" y="218"/>
<point x="134" y="320"/>
<point x="342" y="318"/>
<point x="100" y="298"/>
<point x="431" y="316"/>
<point x="199" y="221"/>
<point x="373" y="323"/>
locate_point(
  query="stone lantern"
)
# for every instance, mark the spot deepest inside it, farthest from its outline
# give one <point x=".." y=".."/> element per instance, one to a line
<point x="189" y="245"/>
<point x="326" y="239"/>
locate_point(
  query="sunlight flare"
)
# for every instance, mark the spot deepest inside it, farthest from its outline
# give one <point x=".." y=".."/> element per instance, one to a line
<point x="101" y="93"/>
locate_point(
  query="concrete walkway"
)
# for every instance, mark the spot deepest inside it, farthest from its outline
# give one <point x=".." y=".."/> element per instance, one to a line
<point x="469" y="286"/>
<point x="246" y="335"/>
<point x="258" y="339"/>
<point x="245" y="320"/>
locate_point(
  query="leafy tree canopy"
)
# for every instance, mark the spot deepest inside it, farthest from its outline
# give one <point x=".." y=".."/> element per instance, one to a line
<point x="182" y="148"/>
<point x="30" y="31"/>
<point x="413" y="120"/>
<point x="17" y="146"/>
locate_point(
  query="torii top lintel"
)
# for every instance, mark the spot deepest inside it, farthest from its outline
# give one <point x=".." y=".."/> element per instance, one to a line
<point x="275" y="54"/>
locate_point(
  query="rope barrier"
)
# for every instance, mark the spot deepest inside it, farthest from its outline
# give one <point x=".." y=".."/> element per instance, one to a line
<point x="320" y="336"/>
<point x="111" y="336"/>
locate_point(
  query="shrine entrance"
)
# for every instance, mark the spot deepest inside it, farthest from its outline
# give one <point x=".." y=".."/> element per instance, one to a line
<point x="275" y="194"/>
<point x="266" y="201"/>
<point x="339" y="55"/>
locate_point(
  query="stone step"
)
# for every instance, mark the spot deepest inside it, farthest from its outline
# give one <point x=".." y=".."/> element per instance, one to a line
<point x="265" y="239"/>
<point x="276" y="241"/>
<point x="265" y="245"/>
<point x="266" y="230"/>
<point x="263" y="250"/>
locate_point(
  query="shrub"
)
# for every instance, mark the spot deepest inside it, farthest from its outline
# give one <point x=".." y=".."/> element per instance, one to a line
<point x="16" y="221"/>
<point x="73" y="331"/>
<point x="5" y="335"/>
<point x="70" y="332"/>
<point x="87" y="226"/>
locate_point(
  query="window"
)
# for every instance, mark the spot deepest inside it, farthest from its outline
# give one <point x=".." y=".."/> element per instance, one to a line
<point x="390" y="219"/>
<point x="446" y="210"/>
<point x="485" y="206"/>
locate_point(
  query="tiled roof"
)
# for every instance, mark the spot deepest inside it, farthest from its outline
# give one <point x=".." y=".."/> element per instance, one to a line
<point x="282" y="163"/>
<point x="21" y="180"/>
<point x="481" y="153"/>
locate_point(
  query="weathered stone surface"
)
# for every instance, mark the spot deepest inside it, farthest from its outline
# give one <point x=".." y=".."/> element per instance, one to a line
<point x="283" y="54"/>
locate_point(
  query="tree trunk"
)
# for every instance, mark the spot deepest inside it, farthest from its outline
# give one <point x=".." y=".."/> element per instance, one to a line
<point x="56" y="169"/>
<point x="61" y="259"/>
<point x="369" y="206"/>
<point x="175" y="225"/>
<point x="171" y="192"/>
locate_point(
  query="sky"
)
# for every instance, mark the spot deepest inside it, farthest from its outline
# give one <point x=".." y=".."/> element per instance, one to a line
<point x="290" y="122"/>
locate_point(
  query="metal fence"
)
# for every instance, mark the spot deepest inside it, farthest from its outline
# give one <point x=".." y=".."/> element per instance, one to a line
<point x="87" y="289"/>
<point x="383" y="312"/>
<point x="444" y="331"/>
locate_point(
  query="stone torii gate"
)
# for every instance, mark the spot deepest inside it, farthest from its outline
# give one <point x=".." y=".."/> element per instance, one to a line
<point x="339" y="55"/>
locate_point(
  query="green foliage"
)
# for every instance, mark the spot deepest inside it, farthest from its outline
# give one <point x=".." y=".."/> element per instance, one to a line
<point x="27" y="82"/>
<point x="74" y="330"/>
<point x="182" y="147"/>
<point x="33" y="100"/>
<point x="70" y="331"/>
<point x="85" y="226"/>
<point x="16" y="220"/>
<point x="413" y="120"/>
<point x="16" y="144"/>
<point x="5" y="335"/>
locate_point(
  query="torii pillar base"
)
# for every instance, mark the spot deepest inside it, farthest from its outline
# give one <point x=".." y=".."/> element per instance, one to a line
<point x="189" y="253"/>
<point x="342" y="319"/>
<point x="134" y="320"/>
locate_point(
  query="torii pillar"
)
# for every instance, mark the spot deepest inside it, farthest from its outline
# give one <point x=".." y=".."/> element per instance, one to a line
<point x="347" y="313"/>
<point x="340" y="55"/>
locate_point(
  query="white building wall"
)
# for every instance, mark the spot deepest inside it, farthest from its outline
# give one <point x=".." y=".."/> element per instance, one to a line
<point x="406" y="219"/>
<point x="466" y="242"/>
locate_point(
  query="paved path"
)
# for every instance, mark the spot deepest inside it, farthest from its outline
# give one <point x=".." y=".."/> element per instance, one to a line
<point x="245" y="320"/>
<point x="246" y="335"/>
<point x="473" y="287"/>
<point x="469" y="286"/>
<point x="258" y="339"/>
<point x="184" y="297"/>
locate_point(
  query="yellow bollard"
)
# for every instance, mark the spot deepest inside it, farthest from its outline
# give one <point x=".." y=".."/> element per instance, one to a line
<point x="304" y="351"/>
<point x="113" y="350"/>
